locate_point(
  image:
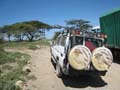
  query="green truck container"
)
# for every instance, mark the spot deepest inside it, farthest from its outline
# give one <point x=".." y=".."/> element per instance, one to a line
<point x="110" y="25"/>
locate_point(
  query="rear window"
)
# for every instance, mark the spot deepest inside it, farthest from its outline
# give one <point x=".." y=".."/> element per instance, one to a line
<point x="89" y="42"/>
<point x="95" y="42"/>
<point x="76" y="40"/>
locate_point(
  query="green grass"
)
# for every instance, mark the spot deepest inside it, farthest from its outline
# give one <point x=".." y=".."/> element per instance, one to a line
<point x="6" y="67"/>
<point x="25" y="44"/>
<point x="10" y="74"/>
<point x="7" y="85"/>
<point x="9" y="57"/>
<point x="32" y="47"/>
<point x="8" y="79"/>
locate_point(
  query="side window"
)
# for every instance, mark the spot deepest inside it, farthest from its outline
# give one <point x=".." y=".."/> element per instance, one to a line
<point x="58" y="40"/>
<point x="63" y="40"/>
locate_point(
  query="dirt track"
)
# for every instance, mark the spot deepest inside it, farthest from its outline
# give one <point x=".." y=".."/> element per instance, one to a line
<point x="46" y="78"/>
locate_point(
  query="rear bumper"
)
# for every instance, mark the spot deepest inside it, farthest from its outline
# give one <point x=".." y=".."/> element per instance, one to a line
<point x="92" y="71"/>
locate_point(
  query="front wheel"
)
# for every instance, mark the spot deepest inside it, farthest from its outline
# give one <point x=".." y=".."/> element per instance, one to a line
<point x="58" y="70"/>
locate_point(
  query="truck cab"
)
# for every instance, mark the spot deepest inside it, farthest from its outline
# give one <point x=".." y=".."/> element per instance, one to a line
<point x="75" y="52"/>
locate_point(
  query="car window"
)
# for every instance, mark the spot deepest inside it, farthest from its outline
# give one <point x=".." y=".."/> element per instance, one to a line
<point x="95" y="42"/>
<point x="63" y="39"/>
<point x="92" y="41"/>
<point x="79" y="40"/>
<point x="58" y="40"/>
<point x="76" y="40"/>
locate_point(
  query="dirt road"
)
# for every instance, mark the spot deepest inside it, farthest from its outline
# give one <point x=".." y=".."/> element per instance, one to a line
<point x="46" y="78"/>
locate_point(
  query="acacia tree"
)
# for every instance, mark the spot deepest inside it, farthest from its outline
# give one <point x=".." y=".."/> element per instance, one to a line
<point x="18" y="31"/>
<point x="31" y="29"/>
<point x="79" y="24"/>
<point x="8" y="30"/>
<point x="1" y="35"/>
<point x="34" y="29"/>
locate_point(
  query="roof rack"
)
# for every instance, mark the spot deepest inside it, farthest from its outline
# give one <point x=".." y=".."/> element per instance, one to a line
<point x="83" y="34"/>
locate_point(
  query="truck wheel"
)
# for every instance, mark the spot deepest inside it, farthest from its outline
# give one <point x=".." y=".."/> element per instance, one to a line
<point x="58" y="71"/>
<point x="51" y="60"/>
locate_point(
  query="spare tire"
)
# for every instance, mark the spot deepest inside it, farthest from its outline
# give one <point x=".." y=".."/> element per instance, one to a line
<point x="79" y="57"/>
<point x="102" y="58"/>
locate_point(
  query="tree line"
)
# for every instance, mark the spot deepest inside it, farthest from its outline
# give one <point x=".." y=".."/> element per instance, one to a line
<point x="34" y="30"/>
<point x="30" y="29"/>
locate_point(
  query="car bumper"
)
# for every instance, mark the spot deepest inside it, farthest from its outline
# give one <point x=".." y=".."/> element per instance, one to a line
<point x="90" y="71"/>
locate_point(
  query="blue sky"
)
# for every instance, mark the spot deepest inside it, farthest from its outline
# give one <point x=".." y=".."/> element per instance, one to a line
<point x="54" y="11"/>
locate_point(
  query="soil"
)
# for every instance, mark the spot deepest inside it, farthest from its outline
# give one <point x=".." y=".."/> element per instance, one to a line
<point x="46" y="78"/>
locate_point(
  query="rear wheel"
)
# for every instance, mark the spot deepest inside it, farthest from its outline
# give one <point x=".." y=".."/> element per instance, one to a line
<point x="58" y="70"/>
<point x="51" y="60"/>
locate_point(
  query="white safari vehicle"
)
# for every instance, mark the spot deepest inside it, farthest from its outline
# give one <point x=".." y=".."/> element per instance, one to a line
<point x="76" y="53"/>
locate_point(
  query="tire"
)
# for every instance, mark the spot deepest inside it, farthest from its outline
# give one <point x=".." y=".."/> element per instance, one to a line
<point x="58" y="70"/>
<point x="51" y="60"/>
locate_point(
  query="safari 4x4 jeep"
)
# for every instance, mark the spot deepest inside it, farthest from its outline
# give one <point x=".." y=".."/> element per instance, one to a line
<point x="76" y="53"/>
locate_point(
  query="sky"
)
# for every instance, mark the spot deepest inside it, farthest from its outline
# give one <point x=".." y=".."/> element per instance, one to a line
<point x="54" y="12"/>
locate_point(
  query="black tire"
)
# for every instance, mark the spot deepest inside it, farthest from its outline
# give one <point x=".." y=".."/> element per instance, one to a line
<point x="51" y="60"/>
<point x="58" y="71"/>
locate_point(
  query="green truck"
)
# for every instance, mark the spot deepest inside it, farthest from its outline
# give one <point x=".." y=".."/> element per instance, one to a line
<point x="110" y="25"/>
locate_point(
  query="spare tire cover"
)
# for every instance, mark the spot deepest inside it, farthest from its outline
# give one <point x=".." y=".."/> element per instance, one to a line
<point x="79" y="57"/>
<point x="102" y="58"/>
